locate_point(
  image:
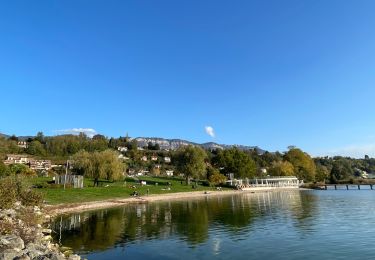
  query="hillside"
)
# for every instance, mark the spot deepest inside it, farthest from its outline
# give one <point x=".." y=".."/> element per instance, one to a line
<point x="173" y="144"/>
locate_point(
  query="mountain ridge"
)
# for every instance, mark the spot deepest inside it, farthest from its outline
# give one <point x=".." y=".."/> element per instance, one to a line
<point x="173" y="143"/>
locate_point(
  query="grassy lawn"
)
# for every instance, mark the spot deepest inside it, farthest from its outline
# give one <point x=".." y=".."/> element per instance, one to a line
<point x="107" y="190"/>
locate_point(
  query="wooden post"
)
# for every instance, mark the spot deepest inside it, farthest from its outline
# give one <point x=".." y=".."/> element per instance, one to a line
<point x="335" y="187"/>
<point x="66" y="172"/>
<point x="347" y="186"/>
<point x="325" y="187"/>
<point x="359" y="186"/>
<point x="371" y="186"/>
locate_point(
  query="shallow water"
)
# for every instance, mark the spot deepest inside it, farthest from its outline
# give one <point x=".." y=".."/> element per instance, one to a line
<point x="271" y="225"/>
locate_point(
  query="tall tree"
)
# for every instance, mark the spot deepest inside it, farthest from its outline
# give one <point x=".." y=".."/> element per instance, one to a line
<point x="235" y="161"/>
<point x="40" y="137"/>
<point x="36" y="148"/>
<point x="304" y="166"/>
<point x="190" y="161"/>
<point x="341" y="170"/>
<point x="281" y="168"/>
<point x="322" y="173"/>
<point x="99" y="165"/>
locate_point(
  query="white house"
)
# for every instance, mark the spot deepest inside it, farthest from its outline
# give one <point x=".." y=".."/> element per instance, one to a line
<point x="169" y="173"/>
<point x="40" y="164"/>
<point x="22" y="144"/>
<point x="122" y="149"/>
<point x="16" y="158"/>
<point x="167" y="159"/>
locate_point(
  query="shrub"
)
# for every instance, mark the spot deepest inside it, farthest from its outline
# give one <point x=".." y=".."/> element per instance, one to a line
<point x="12" y="190"/>
<point x="31" y="198"/>
<point x="8" y="193"/>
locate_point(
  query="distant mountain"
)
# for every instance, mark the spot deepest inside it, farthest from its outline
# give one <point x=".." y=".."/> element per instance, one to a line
<point x="173" y="144"/>
<point x="21" y="138"/>
<point x="4" y="135"/>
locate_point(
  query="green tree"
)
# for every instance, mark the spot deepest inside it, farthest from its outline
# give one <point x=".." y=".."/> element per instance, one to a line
<point x="4" y="170"/>
<point x="133" y="145"/>
<point x="36" y="148"/>
<point x="97" y="165"/>
<point x="304" y="166"/>
<point x="214" y="176"/>
<point x="19" y="169"/>
<point x="235" y="161"/>
<point x="113" y="168"/>
<point x="190" y="161"/>
<point x="341" y="170"/>
<point x="40" y="137"/>
<point x="322" y="173"/>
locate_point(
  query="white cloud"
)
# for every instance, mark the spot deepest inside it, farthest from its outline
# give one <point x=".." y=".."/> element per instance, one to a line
<point x="75" y="131"/>
<point x="210" y="131"/>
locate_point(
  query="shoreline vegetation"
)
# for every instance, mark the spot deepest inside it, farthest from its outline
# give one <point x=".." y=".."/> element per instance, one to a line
<point x="74" y="173"/>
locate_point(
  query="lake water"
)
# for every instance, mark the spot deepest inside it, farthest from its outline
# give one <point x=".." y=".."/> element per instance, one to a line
<point x="271" y="225"/>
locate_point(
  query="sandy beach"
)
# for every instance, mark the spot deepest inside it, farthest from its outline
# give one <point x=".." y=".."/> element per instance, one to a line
<point x="55" y="210"/>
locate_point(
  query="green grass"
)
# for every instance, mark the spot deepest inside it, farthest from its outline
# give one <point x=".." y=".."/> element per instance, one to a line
<point x="109" y="190"/>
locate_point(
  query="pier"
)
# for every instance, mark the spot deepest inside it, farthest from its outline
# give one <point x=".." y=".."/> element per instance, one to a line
<point x="347" y="187"/>
<point x="269" y="182"/>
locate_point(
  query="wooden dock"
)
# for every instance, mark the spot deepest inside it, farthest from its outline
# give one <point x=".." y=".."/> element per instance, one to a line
<point x="347" y="186"/>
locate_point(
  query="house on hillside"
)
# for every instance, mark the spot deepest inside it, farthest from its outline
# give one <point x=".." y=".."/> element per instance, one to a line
<point x="154" y="158"/>
<point x="122" y="149"/>
<point x="167" y="159"/>
<point x="144" y="158"/>
<point x="40" y="165"/>
<point x="22" y="144"/>
<point x="16" y="159"/>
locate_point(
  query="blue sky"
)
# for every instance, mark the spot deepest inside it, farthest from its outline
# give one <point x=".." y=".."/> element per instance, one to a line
<point x="266" y="73"/>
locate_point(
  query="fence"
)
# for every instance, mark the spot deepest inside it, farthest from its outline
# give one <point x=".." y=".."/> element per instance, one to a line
<point x="75" y="180"/>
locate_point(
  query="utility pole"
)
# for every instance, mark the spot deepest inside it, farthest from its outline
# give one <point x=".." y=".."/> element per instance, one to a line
<point x="66" y="172"/>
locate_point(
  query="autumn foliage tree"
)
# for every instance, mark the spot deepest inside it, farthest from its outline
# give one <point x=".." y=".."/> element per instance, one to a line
<point x="281" y="168"/>
<point x="304" y="166"/>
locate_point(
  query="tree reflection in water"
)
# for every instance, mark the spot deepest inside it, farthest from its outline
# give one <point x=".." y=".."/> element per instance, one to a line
<point x="188" y="220"/>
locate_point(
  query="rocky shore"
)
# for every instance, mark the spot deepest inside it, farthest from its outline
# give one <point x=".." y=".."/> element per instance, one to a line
<point x="25" y="234"/>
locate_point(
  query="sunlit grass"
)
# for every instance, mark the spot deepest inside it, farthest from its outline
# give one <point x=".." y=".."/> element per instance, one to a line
<point x="111" y="190"/>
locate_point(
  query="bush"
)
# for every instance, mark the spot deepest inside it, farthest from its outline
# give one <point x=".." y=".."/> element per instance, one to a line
<point x="31" y="198"/>
<point x="12" y="190"/>
<point x="8" y="193"/>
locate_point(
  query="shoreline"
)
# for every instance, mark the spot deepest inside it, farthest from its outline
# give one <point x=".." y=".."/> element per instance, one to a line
<point x="54" y="210"/>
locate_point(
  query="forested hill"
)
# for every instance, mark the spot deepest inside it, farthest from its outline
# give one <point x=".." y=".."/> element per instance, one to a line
<point x="247" y="161"/>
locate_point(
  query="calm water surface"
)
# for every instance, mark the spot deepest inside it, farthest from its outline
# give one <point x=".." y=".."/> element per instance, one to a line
<point x="272" y="225"/>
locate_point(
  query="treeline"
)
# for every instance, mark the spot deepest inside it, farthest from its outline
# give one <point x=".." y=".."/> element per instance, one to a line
<point x="95" y="157"/>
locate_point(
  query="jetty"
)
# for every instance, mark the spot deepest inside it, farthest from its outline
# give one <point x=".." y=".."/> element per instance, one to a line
<point x="347" y="187"/>
<point x="268" y="182"/>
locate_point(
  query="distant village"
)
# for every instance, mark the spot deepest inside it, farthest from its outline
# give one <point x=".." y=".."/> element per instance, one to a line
<point x="43" y="167"/>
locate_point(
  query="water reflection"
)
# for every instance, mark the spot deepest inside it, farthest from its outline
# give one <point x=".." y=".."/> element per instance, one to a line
<point x="189" y="221"/>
